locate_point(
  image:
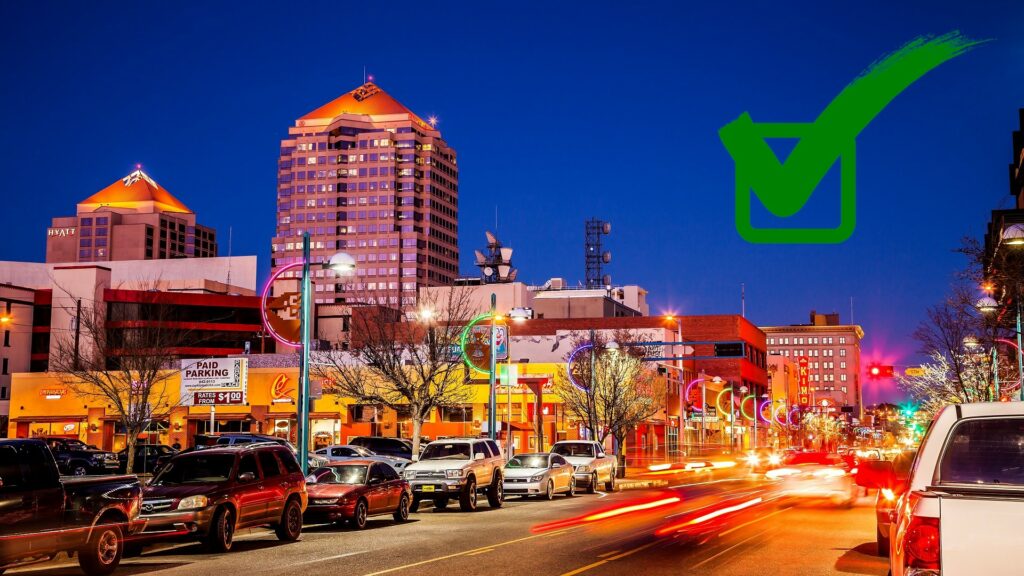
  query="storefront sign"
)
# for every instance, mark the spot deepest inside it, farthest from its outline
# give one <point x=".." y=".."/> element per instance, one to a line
<point x="53" y="393"/>
<point x="476" y="343"/>
<point x="61" y="232"/>
<point x="217" y="398"/>
<point x="712" y="415"/>
<point x="280" y="390"/>
<point x="803" y="378"/>
<point x="214" y="381"/>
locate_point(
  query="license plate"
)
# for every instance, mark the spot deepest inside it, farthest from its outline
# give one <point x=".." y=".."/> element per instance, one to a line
<point x="428" y="488"/>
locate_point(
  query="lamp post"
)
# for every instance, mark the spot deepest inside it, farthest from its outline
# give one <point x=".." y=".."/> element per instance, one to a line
<point x="679" y="367"/>
<point x="343" y="264"/>
<point x="493" y="397"/>
<point x="519" y="315"/>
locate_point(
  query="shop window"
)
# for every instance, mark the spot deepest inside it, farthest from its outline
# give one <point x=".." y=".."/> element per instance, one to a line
<point x="362" y="413"/>
<point x="457" y="414"/>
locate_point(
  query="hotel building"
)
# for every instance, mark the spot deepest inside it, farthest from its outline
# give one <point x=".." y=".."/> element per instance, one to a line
<point x="365" y="175"/>
<point x="132" y="219"/>
<point x="832" y="351"/>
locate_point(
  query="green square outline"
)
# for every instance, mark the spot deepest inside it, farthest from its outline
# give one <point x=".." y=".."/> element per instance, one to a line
<point x="847" y="190"/>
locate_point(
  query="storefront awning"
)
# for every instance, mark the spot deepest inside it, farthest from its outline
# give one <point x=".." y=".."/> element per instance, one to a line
<point x="49" y="419"/>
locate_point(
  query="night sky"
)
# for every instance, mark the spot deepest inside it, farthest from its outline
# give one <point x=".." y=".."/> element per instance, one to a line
<point x="558" y="110"/>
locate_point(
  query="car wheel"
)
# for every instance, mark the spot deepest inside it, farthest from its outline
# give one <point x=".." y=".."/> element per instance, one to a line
<point x="402" y="514"/>
<point x="609" y="486"/>
<point x="79" y="470"/>
<point x="467" y="499"/>
<point x="592" y="486"/>
<point x="549" y="491"/>
<point x="290" y="527"/>
<point x="222" y="531"/>
<point x="440" y="504"/>
<point x="359" y="516"/>
<point x="883" y="544"/>
<point x="415" y="504"/>
<point x="572" y="488"/>
<point x="496" y="491"/>
<point x="102" y="553"/>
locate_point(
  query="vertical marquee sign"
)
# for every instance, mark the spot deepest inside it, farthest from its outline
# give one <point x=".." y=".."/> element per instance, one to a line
<point x="803" y="378"/>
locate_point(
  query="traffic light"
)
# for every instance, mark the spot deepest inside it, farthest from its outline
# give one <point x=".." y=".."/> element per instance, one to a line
<point x="880" y="371"/>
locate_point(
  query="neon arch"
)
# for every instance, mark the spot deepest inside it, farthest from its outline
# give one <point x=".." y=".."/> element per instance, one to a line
<point x="718" y="400"/>
<point x="462" y="343"/>
<point x="263" y="306"/>
<point x="743" y="404"/>
<point x="568" y="364"/>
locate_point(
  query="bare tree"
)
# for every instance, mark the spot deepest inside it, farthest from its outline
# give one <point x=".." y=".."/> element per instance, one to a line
<point x="823" y="428"/>
<point x="404" y="365"/>
<point x="615" y="392"/>
<point x="128" y="367"/>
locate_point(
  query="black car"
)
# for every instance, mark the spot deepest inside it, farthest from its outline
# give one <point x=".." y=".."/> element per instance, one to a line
<point x="148" y="458"/>
<point x="42" y="514"/>
<point x="398" y="447"/>
<point x="76" y="458"/>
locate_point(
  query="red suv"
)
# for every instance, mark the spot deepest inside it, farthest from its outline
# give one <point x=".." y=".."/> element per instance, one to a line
<point x="209" y="494"/>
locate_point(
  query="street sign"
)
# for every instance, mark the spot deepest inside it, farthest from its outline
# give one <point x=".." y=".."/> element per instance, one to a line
<point x="217" y="398"/>
<point x="914" y="371"/>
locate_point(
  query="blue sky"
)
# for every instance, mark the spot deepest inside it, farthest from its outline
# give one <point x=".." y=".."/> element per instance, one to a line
<point x="559" y="111"/>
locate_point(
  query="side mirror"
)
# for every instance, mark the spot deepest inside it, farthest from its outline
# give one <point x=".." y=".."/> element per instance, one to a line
<point x="556" y="466"/>
<point x="375" y="481"/>
<point x="246" y="477"/>
<point x="876" y="474"/>
<point x="601" y="455"/>
<point x="478" y="456"/>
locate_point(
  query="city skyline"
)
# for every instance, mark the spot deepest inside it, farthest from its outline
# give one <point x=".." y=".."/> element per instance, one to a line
<point x="568" y="148"/>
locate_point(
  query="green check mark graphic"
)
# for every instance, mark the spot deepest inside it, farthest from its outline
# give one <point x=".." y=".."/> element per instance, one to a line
<point x="784" y="188"/>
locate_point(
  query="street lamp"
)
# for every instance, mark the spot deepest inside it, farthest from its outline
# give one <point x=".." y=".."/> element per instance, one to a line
<point x="343" y="265"/>
<point x="1013" y="235"/>
<point x="682" y="400"/>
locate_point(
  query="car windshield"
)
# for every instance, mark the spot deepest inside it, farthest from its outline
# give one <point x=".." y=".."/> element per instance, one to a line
<point x="76" y="445"/>
<point x="574" y="449"/>
<point x="529" y="461"/>
<point x="196" y="468"/>
<point x="985" y="452"/>
<point x="446" y="451"/>
<point x="347" y="474"/>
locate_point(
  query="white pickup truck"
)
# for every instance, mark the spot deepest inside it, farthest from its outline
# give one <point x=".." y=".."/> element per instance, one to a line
<point x="590" y="464"/>
<point x="964" y="506"/>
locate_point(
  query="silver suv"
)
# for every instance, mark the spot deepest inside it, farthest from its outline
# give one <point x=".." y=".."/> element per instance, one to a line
<point x="457" y="468"/>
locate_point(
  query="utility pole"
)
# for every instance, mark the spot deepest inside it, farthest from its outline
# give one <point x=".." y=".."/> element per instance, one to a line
<point x="302" y="422"/>
<point x="492" y="400"/>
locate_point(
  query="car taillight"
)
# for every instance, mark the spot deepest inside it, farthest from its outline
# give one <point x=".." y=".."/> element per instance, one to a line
<point x="921" y="544"/>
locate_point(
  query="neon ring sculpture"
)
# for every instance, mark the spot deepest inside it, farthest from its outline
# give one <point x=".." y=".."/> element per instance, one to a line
<point x="462" y="343"/>
<point x="718" y="400"/>
<point x="568" y="364"/>
<point x="743" y="403"/>
<point x="263" y="307"/>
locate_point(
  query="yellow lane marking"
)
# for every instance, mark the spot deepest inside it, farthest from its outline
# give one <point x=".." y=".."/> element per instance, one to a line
<point x="467" y="552"/>
<point x="480" y="552"/>
<point x="610" y="559"/>
<point x="608" y="553"/>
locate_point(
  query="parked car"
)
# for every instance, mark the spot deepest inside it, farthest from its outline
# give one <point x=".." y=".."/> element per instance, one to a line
<point x="542" y="474"/>
<point x="342" y="452"/>
<point x="42" y="514"/>
<point x="890" y="478"/>
<point x="815" y="476"/>
<point x="381" y="446"/>
<point x="965" y="499"/>
<point x="235" y="439"/>
<point x="457" y="468"/>
<point x="76" y="458"/>
<point x="353" y="490"/>
<point x="148" y="458"/>
<point x="591" y="464"/>
<point x="210" y="494"/>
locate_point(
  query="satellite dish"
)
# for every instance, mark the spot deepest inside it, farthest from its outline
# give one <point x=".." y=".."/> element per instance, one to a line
<point x="607" y="257"/>
<point x="488" y="270"/>
<point x="607" y="229"/>
<point x="490" y="238"/>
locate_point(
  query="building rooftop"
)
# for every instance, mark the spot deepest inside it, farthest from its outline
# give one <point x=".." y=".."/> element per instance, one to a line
<point x="369" y="99"/>
<point x="133" y="190"/>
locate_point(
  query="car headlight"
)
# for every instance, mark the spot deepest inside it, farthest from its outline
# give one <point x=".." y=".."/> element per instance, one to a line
<point x="193" y="502"/>
<point x="774" y="460"/>
<point x="324" y="501"/>
<point x="409" y="474"/>
<point x="536" y="478"/>
<point x="453" y="473"/>
<point x="583" y="468"/>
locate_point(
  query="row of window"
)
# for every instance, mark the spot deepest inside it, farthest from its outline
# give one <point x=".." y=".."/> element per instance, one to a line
<point x="829" y="353"/>
<point x="100" y="221"/>
<point x="829" y="389"/>
<point x="801" y="340"/>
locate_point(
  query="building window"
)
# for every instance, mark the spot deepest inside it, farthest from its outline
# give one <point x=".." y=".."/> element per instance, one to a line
<point x="842" y="339"/>
<point x="842" y="365"/>
<point x="842" y="378"/>
<point x="842" y="352"/>
<point x="7" y="338"/>
<point x="4" y="370"/>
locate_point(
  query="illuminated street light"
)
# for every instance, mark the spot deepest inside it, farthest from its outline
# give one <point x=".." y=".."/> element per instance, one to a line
<point x="987" y="305"/>
<point x="1013" y="235"/>
<point x="971" y="343"/>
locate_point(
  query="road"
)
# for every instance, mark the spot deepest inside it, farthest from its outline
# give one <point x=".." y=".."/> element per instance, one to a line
<point x="740" y="533"/>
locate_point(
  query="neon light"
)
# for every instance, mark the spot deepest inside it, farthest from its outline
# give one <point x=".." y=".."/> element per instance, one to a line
<point x="791" y="423"/>
<point x="263" y="306"/>
<point x="775" y="415"/>
<point x="689" y="386"/>
<point x="718" y="400"/>
<point x="568" y="364"/>
<point x="760" y="413"/>
<point x="743" y="410"/>
<point x="462" y="342"/>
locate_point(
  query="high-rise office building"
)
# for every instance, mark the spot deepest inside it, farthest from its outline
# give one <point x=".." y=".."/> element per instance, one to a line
<point x="132" y="219"/>
<point x="365" y="175"/>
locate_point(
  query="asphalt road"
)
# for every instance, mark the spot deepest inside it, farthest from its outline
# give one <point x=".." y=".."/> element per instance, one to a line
<point x="730" y="528"/>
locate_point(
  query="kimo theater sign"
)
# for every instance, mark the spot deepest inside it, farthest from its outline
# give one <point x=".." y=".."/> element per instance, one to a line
<point x="214" y="381"/>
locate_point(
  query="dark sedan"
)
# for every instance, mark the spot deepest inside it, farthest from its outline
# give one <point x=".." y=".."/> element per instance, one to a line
<point x="353" y="490"/>
<point x="148" y="458"/>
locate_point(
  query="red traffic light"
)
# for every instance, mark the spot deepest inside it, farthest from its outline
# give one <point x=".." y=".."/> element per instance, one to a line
<point x="875" y="371"/>
<point x="879" y="371"/>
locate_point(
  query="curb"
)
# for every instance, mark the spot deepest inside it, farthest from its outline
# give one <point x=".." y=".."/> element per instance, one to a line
<point x="639" y="484"/>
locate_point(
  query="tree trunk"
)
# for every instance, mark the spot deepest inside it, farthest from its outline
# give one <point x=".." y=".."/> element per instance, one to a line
<point x="417" y="424"/>
<point x="620" y="454"/>
<point x="131" y="439"/>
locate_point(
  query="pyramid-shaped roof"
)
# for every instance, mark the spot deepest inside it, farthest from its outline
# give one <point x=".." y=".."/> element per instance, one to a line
<point x="368" y="99"/>
<point x="135" y="189"/>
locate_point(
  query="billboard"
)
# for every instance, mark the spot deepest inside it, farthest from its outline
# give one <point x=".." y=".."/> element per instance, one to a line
<point x="214" y="381"/>
<point x="803" y="379"/>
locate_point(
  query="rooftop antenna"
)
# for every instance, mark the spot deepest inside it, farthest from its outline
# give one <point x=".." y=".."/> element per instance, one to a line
<point x="364" y="74"/>
<point x="743" y="299"/>
<point x="594" y="257"/>
<point x="228" y="281"/>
